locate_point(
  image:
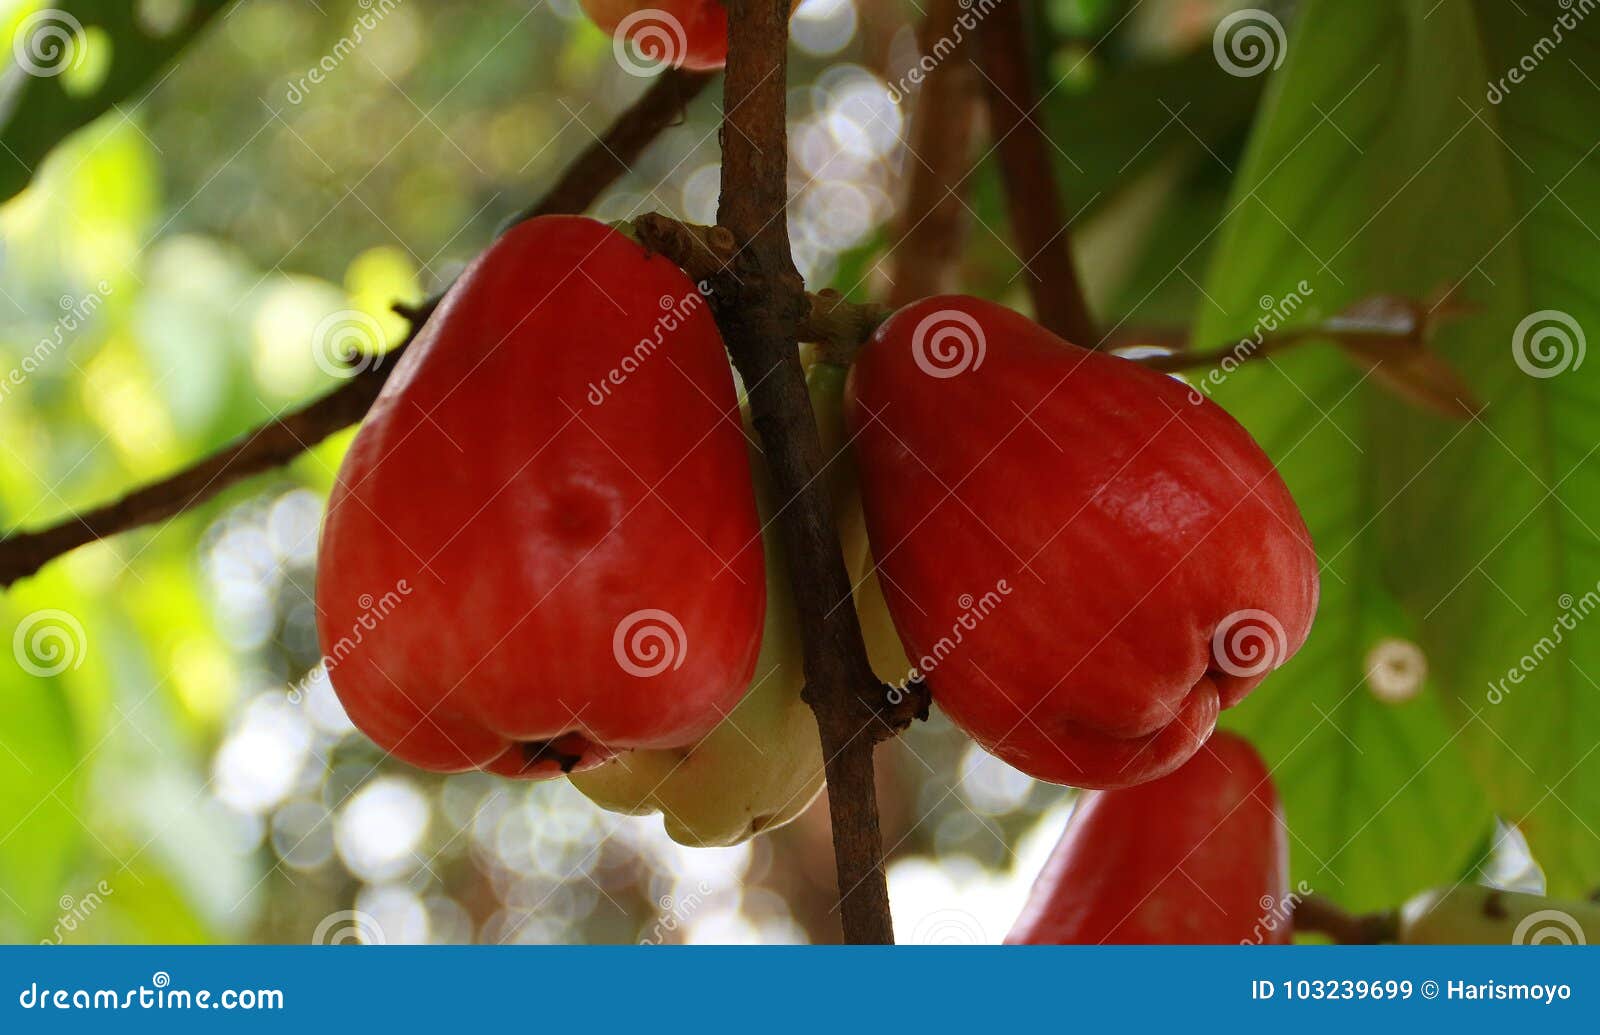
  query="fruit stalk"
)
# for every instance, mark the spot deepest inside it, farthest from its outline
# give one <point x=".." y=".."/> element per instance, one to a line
<point x="760" y="304"/>
<point x="1038" y="221"/>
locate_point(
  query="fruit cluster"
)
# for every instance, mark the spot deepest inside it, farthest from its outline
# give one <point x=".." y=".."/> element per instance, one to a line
<point x="1085" y="561"/>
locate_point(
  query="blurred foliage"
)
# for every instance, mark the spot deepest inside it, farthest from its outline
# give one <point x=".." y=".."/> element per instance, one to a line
<point x="179" y="772"/>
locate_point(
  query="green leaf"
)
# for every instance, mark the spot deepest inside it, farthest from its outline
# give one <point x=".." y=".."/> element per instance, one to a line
<point x="1380" y="168"/>
<point x="70" y="64"/>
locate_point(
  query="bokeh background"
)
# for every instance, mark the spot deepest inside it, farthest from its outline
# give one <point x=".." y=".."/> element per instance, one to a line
<point x="187" y="775"/>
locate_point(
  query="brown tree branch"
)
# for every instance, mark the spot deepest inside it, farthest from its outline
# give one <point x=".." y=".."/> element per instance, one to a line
<point x="929" y="231"/>
<point x="281" y="440"/>
<point x="1038" y="221"/>
<point x="759" y="305"/>
<point x="1317" y="914"/>
<point x="1374" y="330"/>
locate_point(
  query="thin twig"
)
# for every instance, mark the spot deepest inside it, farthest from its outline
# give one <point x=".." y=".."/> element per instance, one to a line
<point x="1038" y="221"/>
<point x="1318" y="915"/>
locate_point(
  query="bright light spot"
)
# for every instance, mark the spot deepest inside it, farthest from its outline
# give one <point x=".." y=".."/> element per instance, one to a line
<point x="1396" y="670"/>
<point x="257" y="766"/>
<point x="823" y="27"/>
<point x="302" y="835"/>
<point x="956" y="901"/>
<point x="283" y="356"/>
<point x="292" y="527"/>
<point x="700" y="192"/>
<point x="862" y="117"/>
<point x="399" y="913"/>
<point x="991" y="786"/>
<point x="380" y="830"/>
<point x="321" y="704"/>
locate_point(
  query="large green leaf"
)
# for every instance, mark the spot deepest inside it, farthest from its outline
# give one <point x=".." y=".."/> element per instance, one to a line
<point x="42" y="100"/>
<point x="1379" y="168"/>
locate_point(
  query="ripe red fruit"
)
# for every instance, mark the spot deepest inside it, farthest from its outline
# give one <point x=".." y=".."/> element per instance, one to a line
<point x="1086" y="559"/>
<point x="542" y="546"/>
<point x="690" y="34"/>
<point x="1198" y="857"/>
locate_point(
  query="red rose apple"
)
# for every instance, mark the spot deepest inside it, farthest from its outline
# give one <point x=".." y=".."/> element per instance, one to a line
<point x="542" y="546"/>
<point x="1087" y="560"/>
<point x="1198" y="857"/>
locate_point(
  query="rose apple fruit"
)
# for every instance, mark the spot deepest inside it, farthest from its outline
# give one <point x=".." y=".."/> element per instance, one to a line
<point x="762" y="767"/>
<point x="1197" y="857"/>
<point x="691" y="34"/>
<point x="542" y="545"/>
<point x="1087" y="560"/>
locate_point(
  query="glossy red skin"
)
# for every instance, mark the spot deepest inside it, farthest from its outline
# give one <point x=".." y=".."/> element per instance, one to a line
<point x="1127" y="519"/>
<point x="1198" y="857"/>
<point x="529" y="522"/>
<point x="704" y="23"/>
